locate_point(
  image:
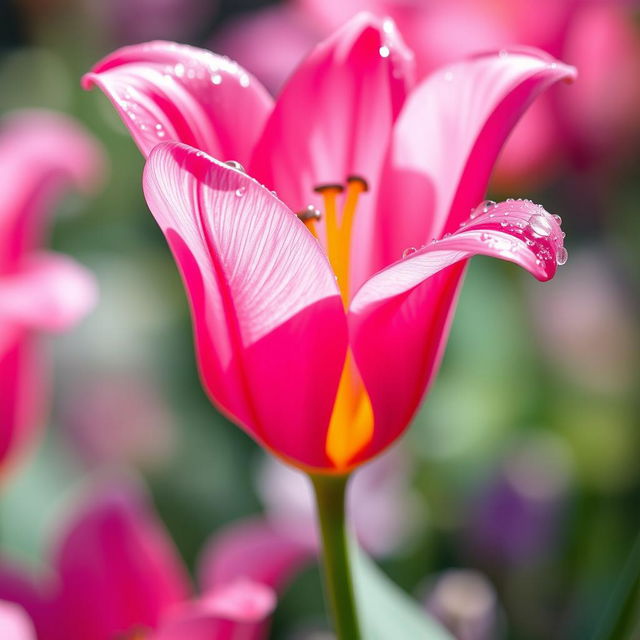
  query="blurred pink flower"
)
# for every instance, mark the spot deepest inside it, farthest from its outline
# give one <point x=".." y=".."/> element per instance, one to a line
<point x="41" y="155"/>
<point x="324" y="362"/>
<point x="581" y="127"/>
<point x="14" y="623"/>
<point x="588" y="330"/>
<point x="119" y="419"/>
<point x="273" y="549"/>
<point x="383" y="511"/>
<point x="115" y="571"/>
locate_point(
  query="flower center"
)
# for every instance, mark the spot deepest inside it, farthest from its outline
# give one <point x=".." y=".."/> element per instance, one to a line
<point x="351" y="424"/>
<point x="338" y="228"/>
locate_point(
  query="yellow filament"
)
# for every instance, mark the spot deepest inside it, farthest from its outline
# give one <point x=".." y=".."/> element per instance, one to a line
<point x="330" y="196"/>
<point x="355" y="186"/>
<point x="351" y="425"/>
<point x="311" y="225"/>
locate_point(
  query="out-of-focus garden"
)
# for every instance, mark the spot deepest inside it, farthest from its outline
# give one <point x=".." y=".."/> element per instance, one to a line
<point x="511" y="506"/>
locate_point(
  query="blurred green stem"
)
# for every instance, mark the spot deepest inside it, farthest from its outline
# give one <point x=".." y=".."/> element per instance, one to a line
<point x="622" y="617"/>
<point x="330" y="494"/>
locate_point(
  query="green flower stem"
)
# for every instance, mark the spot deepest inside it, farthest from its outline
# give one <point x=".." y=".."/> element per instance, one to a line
<point x="330" y="494"/>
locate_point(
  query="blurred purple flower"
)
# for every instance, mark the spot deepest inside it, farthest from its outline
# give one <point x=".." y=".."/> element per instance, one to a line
<point x="517" y="516"/>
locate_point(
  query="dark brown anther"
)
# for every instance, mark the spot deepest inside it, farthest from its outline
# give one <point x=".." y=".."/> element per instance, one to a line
<point x="364" y="184"/>
<point x="323" y="188"/>
<point x="309" y="213"/>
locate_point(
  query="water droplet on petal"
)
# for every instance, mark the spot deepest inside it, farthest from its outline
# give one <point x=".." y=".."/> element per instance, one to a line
<point x="384" y="51"/>
<point x="557" y="218"/>
<point x="240" y="191"/>
<point x="216" y="78"/>
<point x="388" y="26"/>
<point x="562" y="255"/>
<point x="179" y="70"/>
<point x="540" y="224"/>
<point x="407" y="252"/>
<point x="486" y="205"/>
<point x="234" y="164"/>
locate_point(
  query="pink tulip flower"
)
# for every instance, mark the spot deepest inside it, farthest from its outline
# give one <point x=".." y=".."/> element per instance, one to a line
<point x="41" y="155"/>
<point x="319" y="333"/>
<point x="116" y="573"/>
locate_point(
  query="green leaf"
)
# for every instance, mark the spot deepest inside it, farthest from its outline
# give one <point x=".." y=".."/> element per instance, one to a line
<point x="622" y="617"/>
<point x="385" y="611"/>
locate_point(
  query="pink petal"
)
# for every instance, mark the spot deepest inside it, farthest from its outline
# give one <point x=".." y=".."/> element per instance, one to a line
<point x="24" y="392"/>
<point x="41" y="154"/>
<point x="446" y="141"/>
<point x="334" y="116"/>
<point x="14" y="623"/>
<point x="118" y="570"/>
<point x="400" y="318"/>
<point x="253" y="549"/>
<point x="237" y="610"/>
<point x="51" y="292"/>
<point x="169" y="92"/>
<point x="269" y="325"/>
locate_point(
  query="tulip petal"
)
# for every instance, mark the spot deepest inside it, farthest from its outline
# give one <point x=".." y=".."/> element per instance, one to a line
<point x="399" y="319"/>
<point x="118" y="570"/>
<point x="446" y="141"/>
<point x="256" y="550"/>
<point x="348" y="91"/>
<point x="52" y="293"/>
<point x="24" y="380"/>
<point x="164" y="91"/>
<point x="269" y="324"/>
<point x="236" y="610"/>
<point x="334" y="120"/>
<point x="41" y="154"/>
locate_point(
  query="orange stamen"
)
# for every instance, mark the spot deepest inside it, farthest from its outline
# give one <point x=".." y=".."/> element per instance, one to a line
<point x="329" y="193"/>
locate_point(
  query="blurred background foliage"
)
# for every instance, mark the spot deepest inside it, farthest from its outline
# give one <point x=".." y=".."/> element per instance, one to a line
<point x="525" y="455"/>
